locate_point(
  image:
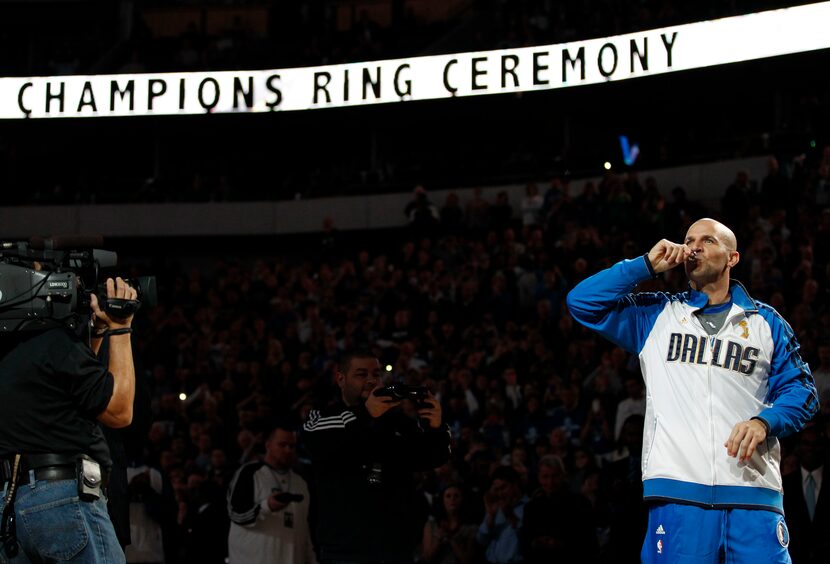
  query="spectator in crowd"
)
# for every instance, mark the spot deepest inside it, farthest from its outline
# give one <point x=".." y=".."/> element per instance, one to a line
<point x="596" y="432"/>
<point x="738" y="198"/>
<point x="452" y="215"/>
<point x="268" y="503"/>
<point x="822" y="373"/>
<point x="807" y="501"/>
<point x="623" y="487"/>
<point x="203" y="523"/>
<point x="449" y="537"/>
<point x="423" y="216"/>
<point x="501" y="212"/>
<point x="330" y="240"/>
<point x="150" y="510"/>
<point x="504" y="505"/>
<point x="477" y="212"/>
<point x="680" y="212"/>
<point x="532" y="203"/>
<point x="633" y="404"/>
<point x="773" y="188"/>
<point x="558" y="523"/>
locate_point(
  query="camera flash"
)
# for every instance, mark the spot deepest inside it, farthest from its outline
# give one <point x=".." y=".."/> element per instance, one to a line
<point x="389" y="368"/>
<point x="182" y="396"/>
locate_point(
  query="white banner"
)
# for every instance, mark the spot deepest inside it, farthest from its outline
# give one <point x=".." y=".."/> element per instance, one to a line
<point x="646" y="53"/>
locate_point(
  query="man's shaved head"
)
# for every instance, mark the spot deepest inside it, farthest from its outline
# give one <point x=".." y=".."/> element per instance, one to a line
<point x="723" y="233"/>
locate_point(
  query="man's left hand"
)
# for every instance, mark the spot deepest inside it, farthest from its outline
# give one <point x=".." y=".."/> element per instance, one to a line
<point x="745" y="437"/>
<point x="115" y="289"/>
<point x="432" y="413"/>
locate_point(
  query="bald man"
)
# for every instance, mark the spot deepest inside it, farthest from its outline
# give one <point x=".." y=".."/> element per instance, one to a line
<point x="724" y="382"/>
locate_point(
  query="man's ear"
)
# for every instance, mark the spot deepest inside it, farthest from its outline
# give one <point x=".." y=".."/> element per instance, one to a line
<point x="339" y="377"/>
<point x="734" y="259"/>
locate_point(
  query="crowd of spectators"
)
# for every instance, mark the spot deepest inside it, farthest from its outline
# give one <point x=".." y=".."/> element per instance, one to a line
<point x="469" y="301"/>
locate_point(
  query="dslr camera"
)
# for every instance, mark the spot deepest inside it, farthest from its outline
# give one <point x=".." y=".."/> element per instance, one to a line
<point x="46" y="282"/>
<point x="287" y="497"/>
<point x="418" y="394"/>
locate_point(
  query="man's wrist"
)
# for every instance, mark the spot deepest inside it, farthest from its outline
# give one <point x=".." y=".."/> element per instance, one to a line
<point x="762" y="422"/>
<point x="112" y="331"/>
<point x="650" y="266"/>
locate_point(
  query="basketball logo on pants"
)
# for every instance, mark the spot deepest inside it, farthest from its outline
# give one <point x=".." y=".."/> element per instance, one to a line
<point x="783" y="534"/>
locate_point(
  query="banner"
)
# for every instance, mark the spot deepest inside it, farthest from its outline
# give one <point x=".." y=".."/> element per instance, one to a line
<point x="622" y="57"/>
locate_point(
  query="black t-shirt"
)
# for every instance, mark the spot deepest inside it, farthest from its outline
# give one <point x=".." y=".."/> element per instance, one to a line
<point x="52" y="388"/>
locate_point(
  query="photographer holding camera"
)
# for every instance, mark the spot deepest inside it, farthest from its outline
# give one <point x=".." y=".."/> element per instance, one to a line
<point x="55" y="461"/>
<point x="364" y="452"/>
<point x="268" y="506"/>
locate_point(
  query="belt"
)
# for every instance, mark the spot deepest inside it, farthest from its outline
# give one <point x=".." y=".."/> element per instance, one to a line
<point x="46" y="467"/>
<point x="50" y="473"/>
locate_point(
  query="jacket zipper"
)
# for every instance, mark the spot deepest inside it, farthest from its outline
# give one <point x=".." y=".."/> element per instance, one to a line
<point x="711" y="415"/>
<point x="713" y="445"/>
<point x="650" y="445"/>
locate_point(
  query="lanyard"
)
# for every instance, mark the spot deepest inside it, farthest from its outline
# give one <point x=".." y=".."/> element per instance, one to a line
<point x="277" y="475"/>
<point x="8" y="529"/>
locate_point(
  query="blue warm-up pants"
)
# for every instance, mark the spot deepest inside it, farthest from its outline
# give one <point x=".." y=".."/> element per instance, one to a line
<point x="687" y="533"/>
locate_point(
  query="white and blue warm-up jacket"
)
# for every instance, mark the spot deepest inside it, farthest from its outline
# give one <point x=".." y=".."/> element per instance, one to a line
<point x="699" y="386"/>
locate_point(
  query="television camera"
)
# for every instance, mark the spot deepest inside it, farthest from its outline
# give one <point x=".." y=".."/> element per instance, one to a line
<point x="45" y="282"/>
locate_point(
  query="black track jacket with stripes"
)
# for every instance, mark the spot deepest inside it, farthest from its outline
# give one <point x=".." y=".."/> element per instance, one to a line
<point x="367" y="503"/>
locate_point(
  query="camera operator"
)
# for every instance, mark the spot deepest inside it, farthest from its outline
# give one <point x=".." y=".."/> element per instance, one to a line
<point x="364" y="452"/>
<point x="55" y="461"/>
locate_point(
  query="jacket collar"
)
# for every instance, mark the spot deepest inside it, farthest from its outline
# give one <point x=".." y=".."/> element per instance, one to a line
<point x="740" y="297"/>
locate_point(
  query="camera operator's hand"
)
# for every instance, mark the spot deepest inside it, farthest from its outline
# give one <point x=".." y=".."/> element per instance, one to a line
<point x="115" y="289"/>
<point x="431" y="413"/>
<point x="378" y="405"/>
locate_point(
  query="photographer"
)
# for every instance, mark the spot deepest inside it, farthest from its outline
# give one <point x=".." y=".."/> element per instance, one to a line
<point x="55" y="461"/>
<point x="268" y="506"/>
<point x="364" y="452"/>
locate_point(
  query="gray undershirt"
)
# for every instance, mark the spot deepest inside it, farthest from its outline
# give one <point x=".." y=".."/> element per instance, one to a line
<point x="712" y="322"/>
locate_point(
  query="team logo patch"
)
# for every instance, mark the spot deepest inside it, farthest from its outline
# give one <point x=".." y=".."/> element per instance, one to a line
<point x="660" y="546"/>
<point x="783" y="534"/>
<point x="745" y="326"/>
<point x="660" y="530"/>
